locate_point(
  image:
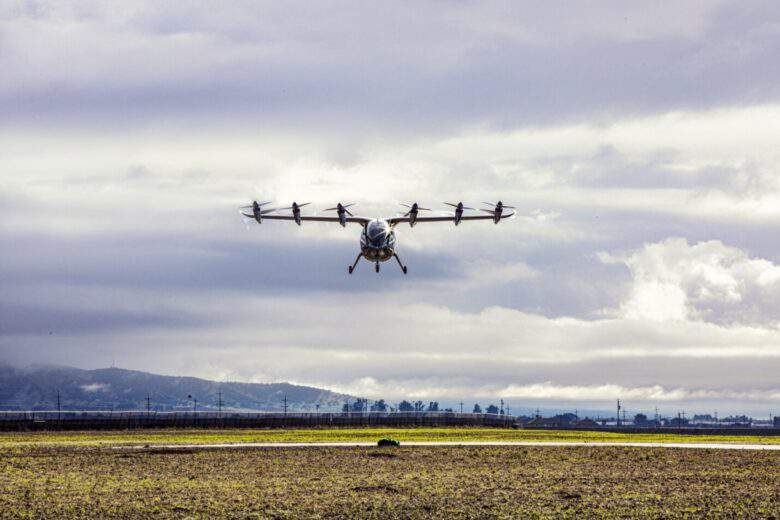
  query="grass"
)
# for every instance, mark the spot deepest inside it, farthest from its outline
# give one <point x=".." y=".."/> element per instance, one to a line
<point x="194" y="436"/>
<point x="449" y="482"/>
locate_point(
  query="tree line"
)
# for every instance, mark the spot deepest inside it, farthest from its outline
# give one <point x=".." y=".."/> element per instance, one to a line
<point x="380" y="405"/>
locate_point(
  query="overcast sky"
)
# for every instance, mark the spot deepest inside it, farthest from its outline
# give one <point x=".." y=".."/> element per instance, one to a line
<point x="640" y="142"/>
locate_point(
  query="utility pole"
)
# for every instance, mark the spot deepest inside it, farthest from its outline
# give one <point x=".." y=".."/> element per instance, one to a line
<point x="461" y="407"/>
<point x="502" y="407"/>
<point x="537" y="412"/>
<point x="617" y="420"/>
<point x="285" y="403"/>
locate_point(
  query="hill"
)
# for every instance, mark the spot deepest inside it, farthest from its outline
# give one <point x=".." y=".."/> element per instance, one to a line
<point x="35" y="388"/>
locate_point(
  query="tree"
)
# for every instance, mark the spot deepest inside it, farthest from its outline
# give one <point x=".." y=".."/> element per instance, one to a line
<point x="345" y="408"/>
<point x="433" y="406"/>
<point x="640" y="419"/>
<point x="566" y="418"/>
<point x="419" y="406"/>
<point x="477" y="408"/>
<point x="405" y="406"/>
<point x="492" y="409"/>
<point x="379" y="406"/>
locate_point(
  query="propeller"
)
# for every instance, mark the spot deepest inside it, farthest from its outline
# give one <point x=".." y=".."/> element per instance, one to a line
<point x="458" y="213"/>
<point x="342" y="207"/>
<point x="498" y="211"/>
<point x="257" y="211"/>
<point x="459" y="205"/>
<point x="295" y="206"/>
<point x="413" y="208"/>
<point x="296" y="211"/>
<point x="499" y="203"/>
<point x="255" y="202"/>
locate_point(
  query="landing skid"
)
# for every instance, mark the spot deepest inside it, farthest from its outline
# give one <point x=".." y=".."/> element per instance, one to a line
<point x="352" y="267"/>
<point x="397" y="259"/>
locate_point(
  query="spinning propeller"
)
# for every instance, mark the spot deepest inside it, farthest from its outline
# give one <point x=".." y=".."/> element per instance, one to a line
<point x="414" y="208"/>
<point x="497" y="205"/>
<point x="497" y="210"/>
<point x="295" y="206"/>
<point x="412" y="213"/>
<point x="342" y="211"/>
<point x="296" y="211"/>
<point x="459" y="207"/>
<point x="257" y="211"/>
<point x="342" y="208"/>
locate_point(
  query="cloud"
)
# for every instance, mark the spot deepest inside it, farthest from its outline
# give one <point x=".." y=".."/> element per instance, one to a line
<point x="348" y="66"/>
<point x="655" y="393"/>
<point x="709" y="281"/>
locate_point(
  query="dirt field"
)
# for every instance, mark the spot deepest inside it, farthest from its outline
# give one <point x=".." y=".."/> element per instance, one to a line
<point x="442" y="482"/>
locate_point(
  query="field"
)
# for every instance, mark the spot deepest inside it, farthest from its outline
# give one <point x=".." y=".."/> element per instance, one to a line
<point x="444" y="482"/>
<point x="194" y="436"/>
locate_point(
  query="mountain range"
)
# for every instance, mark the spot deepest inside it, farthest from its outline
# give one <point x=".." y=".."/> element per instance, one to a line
<point x="38" y="387"/>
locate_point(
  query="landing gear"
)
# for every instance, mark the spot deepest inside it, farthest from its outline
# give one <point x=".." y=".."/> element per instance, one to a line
<point x="376" y="267"/>
<point x="352" y="267"/>
<point x="403" y="267"/>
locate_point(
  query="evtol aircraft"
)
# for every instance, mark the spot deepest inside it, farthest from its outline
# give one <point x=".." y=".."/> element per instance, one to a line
<point x="377" y="240"/>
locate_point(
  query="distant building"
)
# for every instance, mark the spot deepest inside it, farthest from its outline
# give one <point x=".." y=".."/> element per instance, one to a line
<point x="556" y="422"/>
<point x="737" y="419"/>
<point x="586" y="423"/>
<point x="676" y="422"/>
<point x="642" y="421"/>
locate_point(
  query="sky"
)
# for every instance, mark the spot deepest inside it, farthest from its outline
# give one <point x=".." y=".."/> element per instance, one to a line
<point x="640" y="142"/>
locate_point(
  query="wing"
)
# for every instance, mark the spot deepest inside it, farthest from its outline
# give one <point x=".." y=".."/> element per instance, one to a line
<point x="356" y="220"/>
<point x="397" y="220"/>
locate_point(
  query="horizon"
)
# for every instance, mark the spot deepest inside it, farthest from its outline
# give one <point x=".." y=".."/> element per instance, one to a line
<point x="526" y="408"/>
<point x="637" y="142"/>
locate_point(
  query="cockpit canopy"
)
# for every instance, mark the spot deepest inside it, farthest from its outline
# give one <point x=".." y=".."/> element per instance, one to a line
<point x="377" y="232"/>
